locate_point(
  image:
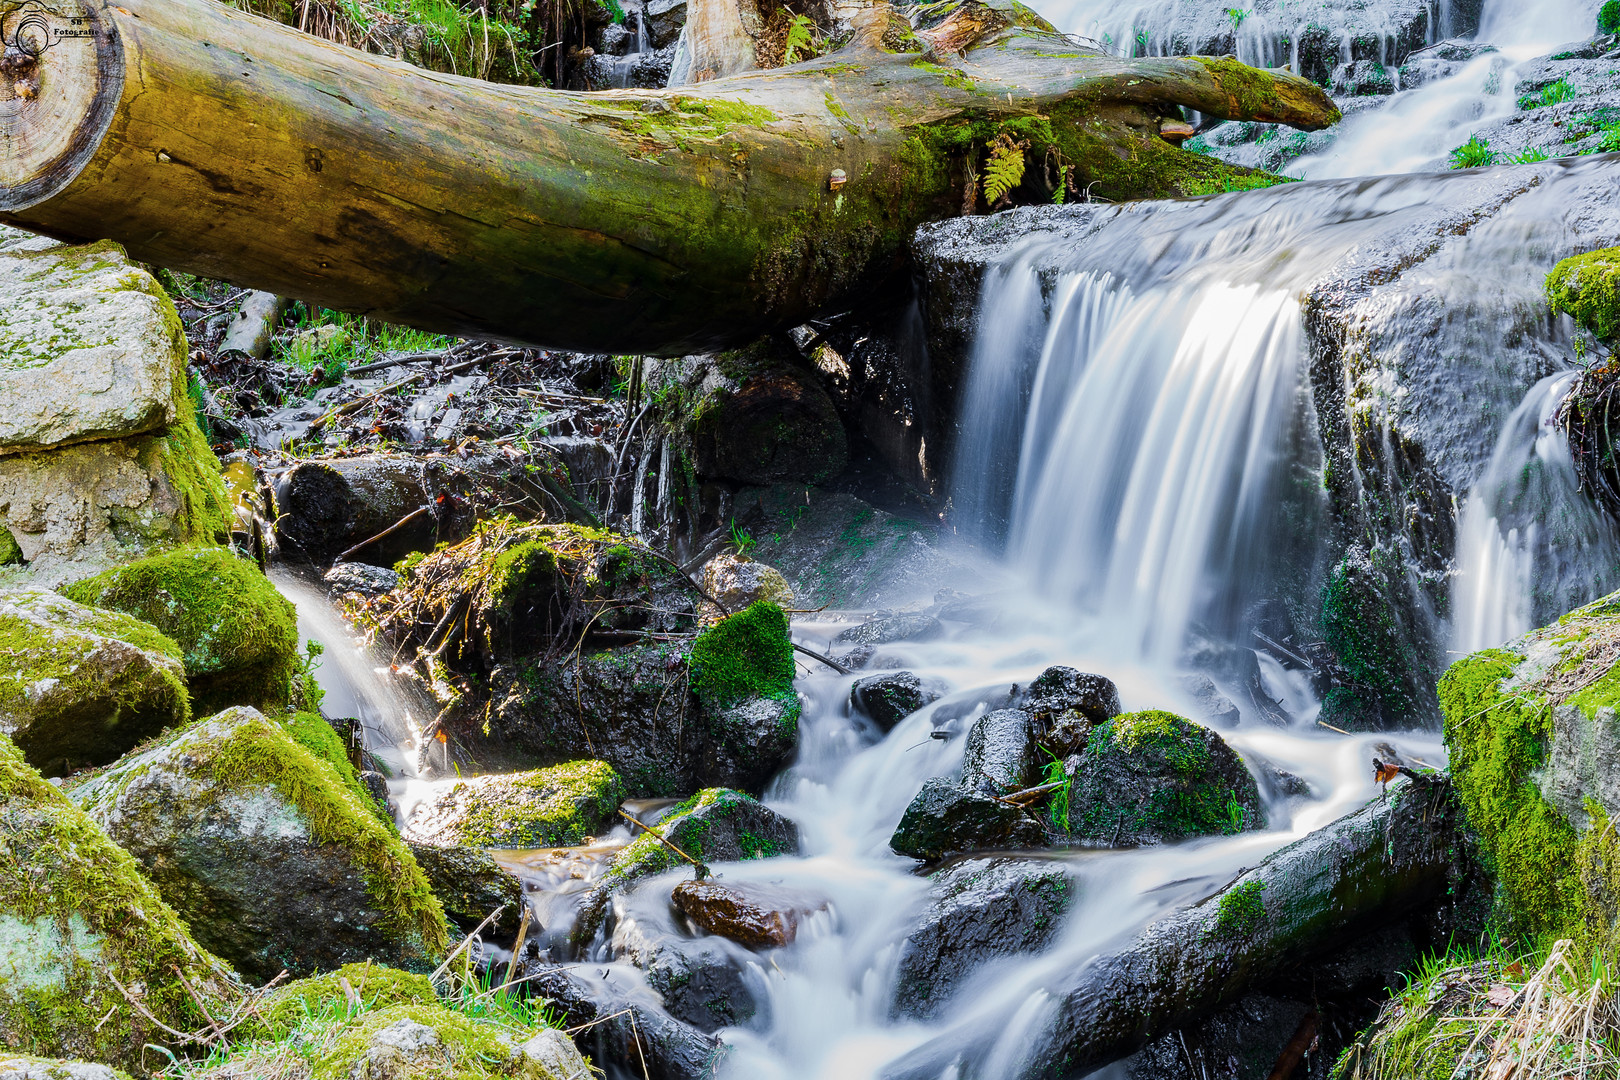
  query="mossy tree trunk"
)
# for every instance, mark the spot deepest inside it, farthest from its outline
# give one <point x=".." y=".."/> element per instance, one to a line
<point x="212" y="141"/>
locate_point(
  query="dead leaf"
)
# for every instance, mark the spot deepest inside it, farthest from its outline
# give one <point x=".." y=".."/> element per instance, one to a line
<point x="1385" y="773"/>
<point x="1499" y="996"/>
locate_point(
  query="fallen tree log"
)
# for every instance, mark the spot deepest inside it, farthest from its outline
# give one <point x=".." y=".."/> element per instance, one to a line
<point x="212" y="141"/>
<point x="1317" y="894"/>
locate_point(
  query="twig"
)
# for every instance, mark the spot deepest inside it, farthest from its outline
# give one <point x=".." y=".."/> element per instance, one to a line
<point x="829" y="661"/>
<point x="442" y="968"/>
<point x="592" y="1023"/>
<point x="358" y="403"/>
<point x="703" y="871"/>
<point x="398" y="361"/>
<point x="1330" y="727"/>
<point x="395" y="527"/>
<point x="1019" y="798"/>
<point x="517" y="946"/>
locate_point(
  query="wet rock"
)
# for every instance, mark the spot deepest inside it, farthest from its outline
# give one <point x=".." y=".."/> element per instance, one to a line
<point x="1154" y="777"/>
<point x="1064" y="704"/>
<point x="886" y="631"/>
<point x="715" y="825"/>
<point x="471" y="886"/>
<point x="1210" y="705"/>
<point x="620" y="1019"/>
<point x="35" y="1068"/>
<point x="665" y="18"/>
<point x="376" y="785"/>
<point x="101" y="459"/>
<point x="81" y="686"/>
<point x="238" y="635"/>
<point x="890" y="698"/>
<point x="272" y="860"/>
<point x="326" y="507"/>
<point x="361" y="579"/>
<point x="700" y="980"/>
<point x="736" y="914"/>
<point x="1001" y="757"/>
<point x="75" y="914"/>
<point x="946" y="818"/>
<point x="980" y="909"/>
<point x="737" y="581"/>
<point x="1362" y="77"/>
<point x="560" y="806"/>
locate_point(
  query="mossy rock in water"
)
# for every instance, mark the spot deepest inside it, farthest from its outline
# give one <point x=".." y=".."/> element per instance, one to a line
<point x="239" y="636"/>
<point x="1533" y="735"/>
<point x="947" y="818"/>
<point x="392" y="1033"/>
<point x="79" y="686"/>
<point x="560" y="806"/>
<point x="1587" y="287"/>
<point x="715" y="825"/>
<point x="270" y="857"/>
<point x="1154" y="777"/>
<point x="77" y="914"/>
<point x="38" y="1068"/>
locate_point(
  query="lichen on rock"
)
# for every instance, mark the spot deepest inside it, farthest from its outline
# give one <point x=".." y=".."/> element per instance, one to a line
<point x="559" y="806"/>
<point x="80" y="686"/>
<point x="271" y="858"/>
<point x="238" y="635"/>
<point x="76" y="913"/>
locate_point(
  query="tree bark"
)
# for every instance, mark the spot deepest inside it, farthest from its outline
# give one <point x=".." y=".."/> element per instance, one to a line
<point x="1367" y="868"/>
<point x="215" y="142"/>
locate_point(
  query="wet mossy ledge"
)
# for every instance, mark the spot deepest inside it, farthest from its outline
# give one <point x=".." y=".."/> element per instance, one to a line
<point x="271" y="857"/>
<point x="238" y="635"/>
<point x="1587" y="288"/>
<point x="1532" y="733"/>
<point x="563" y="805"/>
<point x="78" y="918"/>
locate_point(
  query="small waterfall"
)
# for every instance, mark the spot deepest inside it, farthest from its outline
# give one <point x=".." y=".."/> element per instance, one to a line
<point x="1531" y="546"/>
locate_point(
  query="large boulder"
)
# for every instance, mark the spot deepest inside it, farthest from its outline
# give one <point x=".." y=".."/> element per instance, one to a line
<point x="947" y="818"/>
<point x="561" y="806"/>
<point x="1000" y="756"/>
<point x="1153" y="777"/>
<point x="77" y="919"/>
<point x="274" y="862"/>
<point x="239" y="637"/>
<point x="715" y="825"/>
<point x="979" y="909"/>
<point x="471" y="885"/>
<point x="81" y="686"/>
<point x="100" y="453"/>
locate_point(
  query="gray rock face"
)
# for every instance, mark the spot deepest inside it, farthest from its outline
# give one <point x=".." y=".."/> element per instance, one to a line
<point x="1000" y="756"/>
<point x="79" y="685"/>
<point x="889" y="699"/>
<point x="737" y="581"/>
<point x="664" y="21"/>
<point x="946" y="818"/>
<point x="366" y="581"/>
<point x="273" y="866"/>
<point x="471" y="885"/>
<point x="32" y="1068"/>
<point x="980" y="909"/>
<point x="1362" y="77"/>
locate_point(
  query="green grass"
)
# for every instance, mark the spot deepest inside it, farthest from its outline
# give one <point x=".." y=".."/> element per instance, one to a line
<point x="351" y="341"/>
<point x="1554" y="93"/>
<point x="1473" y="154"/>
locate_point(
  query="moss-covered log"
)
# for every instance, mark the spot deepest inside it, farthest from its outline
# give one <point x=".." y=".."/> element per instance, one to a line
<point x="1314" y="895"/>
<point x="211" y="141"/>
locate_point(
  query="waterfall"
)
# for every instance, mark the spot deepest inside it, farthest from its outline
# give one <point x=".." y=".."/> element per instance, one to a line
<point x="1530" y="546"/>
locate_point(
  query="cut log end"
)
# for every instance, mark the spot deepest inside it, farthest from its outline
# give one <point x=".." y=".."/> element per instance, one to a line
<point x="61" y="77"/>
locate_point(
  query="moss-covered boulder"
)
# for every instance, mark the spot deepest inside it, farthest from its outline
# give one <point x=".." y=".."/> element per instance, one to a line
<point x="38" y="1068"/>
<point x="79" y="686"/>
<point x="557" y="807"/>
<point x="76" y="914"/>
<point x="1587" y="287"/>
<point x="1533" y="734"/>
<point x="269" y="856"/>
<point x="238" y="635"/>
<point x="1154" y="777"/>
<point x="715" y="825"/>
<point x="371" y="1022"/>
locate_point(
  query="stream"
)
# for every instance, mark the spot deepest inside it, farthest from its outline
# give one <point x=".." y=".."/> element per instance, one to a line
<point x="1139" y="465"/>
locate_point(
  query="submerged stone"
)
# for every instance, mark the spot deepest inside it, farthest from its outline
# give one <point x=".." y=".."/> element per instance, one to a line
<point x="75" y="915"/>
<point x="889" y="699"/>
<point x="1154" y="777"/>
<point x="80" y="686"/>
<point x="238" y="635"/>
<point x="274" y="862"/>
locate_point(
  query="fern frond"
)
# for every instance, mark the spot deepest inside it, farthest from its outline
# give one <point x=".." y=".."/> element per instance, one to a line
<point x="801" y="37"/>
<point x="1005" y="169"/>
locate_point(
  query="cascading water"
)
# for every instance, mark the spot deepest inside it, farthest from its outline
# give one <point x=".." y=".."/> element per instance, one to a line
<point x="1530" y="546"/>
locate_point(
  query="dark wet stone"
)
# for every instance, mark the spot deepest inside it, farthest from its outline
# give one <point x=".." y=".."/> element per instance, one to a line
<point x="981" y="909"/>
<point x="1000" y="756"/>
<point x="622" y="1021"/>
<point x="700" y="980"/>
<point x="1065" y="704"/>
<point x="471" y="885"/>
<point x="889" y="699"/>
<point x="736" y="914"/>
<point x="368" y="581"/>
<point x="946" y="819"/>
<point x="892" y="629"/>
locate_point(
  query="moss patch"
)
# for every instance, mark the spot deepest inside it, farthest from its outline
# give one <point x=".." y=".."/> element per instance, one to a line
<point x="743" y="656"/>
<point x="1587" y="287"/>
<point x="1241" y="910"/>
<point x="11" y="552"/>
<point x="238" y="635"/>
<point x="376" y="987"/>
<point x="560" y="806"/>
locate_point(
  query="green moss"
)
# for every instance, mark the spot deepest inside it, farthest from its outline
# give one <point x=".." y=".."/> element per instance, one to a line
<point x="1587" y="287"/>
<point x="238" y="635"/>
<point x="744" y="656"/>
<point x="1360" y="625"/>
<point x="517" y="571"/>
<point x="647" y="854"/>
<point x="75" y="912"/>
<point x="1496" y="741"/>
<point x="10" y="551"/>
<point x="563" y="805"/>
<point x="1163" y="734"/>
<point x="1608" y="20"/>
<point x="376" y="987"/>
<point x="1240" y="911"/>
